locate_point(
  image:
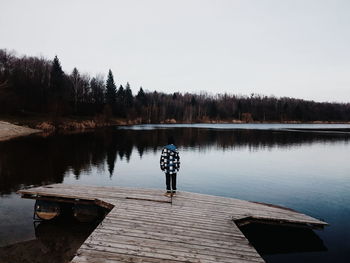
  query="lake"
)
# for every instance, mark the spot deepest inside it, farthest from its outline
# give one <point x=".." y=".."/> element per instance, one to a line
<point x="303" y="167"/>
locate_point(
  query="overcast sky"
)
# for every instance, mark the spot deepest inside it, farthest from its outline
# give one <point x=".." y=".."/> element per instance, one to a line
<point x="297" y="48"/>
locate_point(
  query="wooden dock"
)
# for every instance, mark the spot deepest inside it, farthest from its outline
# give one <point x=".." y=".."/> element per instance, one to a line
<point x="145" y="226"/>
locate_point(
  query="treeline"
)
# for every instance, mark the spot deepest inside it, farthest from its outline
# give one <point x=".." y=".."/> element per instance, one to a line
<point x="38" y="85"/>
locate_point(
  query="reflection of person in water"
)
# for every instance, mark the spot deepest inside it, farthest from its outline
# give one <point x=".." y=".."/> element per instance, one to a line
<point x="170" y="164"/>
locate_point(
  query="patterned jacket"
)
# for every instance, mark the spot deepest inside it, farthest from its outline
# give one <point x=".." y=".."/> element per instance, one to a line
<point x="170" y="159"/>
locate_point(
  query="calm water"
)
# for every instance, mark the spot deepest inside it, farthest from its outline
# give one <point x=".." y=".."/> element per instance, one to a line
<point x="306" y="171"/>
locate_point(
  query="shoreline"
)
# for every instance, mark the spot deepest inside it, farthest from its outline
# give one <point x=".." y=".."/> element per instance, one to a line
<point x="9" y="131"/>
<point x="13" y="128"/>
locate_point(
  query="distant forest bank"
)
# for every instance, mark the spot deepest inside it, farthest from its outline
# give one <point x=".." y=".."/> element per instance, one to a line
<point x="37" y="92"/>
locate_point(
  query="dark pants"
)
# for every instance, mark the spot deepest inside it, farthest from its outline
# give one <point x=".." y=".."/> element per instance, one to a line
<point x="170" y="179"/>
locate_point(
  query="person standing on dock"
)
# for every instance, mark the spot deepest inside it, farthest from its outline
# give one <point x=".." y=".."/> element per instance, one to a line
<point x="170" y="164"/>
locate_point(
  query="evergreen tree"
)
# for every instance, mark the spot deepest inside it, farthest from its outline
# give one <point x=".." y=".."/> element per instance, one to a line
<point x="56" y="78"/>
<point x="129" y="99"/>
<point x="141" y="97"/>
<point x="110" y="89"/>
<point x="120" y="94"/>
<point x="121" y="101"/>
<point x="57" y="98"/>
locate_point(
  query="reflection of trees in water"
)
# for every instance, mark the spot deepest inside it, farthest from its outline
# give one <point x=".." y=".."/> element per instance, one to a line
<point x="35" y="160"/>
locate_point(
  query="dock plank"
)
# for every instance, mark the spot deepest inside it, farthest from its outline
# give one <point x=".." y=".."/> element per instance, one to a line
<point x="145" y="226"/>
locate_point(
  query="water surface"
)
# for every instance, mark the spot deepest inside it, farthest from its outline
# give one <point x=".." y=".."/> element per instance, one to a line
<point x="306" y="171"/>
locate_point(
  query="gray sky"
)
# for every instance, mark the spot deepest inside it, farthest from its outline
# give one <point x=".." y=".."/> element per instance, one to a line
<point x="298" y="48"/>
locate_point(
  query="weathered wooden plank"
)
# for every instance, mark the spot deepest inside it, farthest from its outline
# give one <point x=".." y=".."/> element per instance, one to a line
<point x="181" y="195"/>
<point x="175" y="224"/>
<point x="169" y="238"/>
<point x="194" y="215"/>
<point x="83" y="192"/>
<point x="89" y="256"/>
<point x="176" y="231"/>
<point x="244" y="210"/>
<point x="233" y="209"/>
<point x="120" y="192"/>
<point x="208" y="241"/>
<point x="175" y="208"/>
<point x="184" y="223"/>
<point x="103" y="195"/>
<point x="176" y="250"/>
<point x="200" y="222"/>
<point x="255" y="211"/>
<point x="254" y="214"/>
<point x="173" y="245"/>
<point x="165" y="254"/>
<point x="143" y="226"/>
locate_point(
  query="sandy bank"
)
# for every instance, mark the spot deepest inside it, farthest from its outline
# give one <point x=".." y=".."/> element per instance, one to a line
<point x="9" y="131"/>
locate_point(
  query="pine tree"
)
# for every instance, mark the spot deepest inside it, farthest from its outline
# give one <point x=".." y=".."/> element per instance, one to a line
<point x="121" y="101"/>
<point x="56" y="78"/>
<point x="120" y="94"/>
<point x="57" y="98"/>
<point x="141" y="97"/>
<point x="129" y="99"/>
<point x="111" y="89"/>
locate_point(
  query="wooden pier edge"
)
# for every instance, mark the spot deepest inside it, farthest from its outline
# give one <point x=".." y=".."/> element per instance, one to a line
<point x="145" y="226"/>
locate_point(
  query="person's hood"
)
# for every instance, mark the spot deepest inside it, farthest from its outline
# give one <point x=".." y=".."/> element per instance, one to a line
<point x="170" y="147"/>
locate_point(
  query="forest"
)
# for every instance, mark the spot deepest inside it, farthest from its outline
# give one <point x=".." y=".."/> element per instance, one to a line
<point x="36" y="85"/>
